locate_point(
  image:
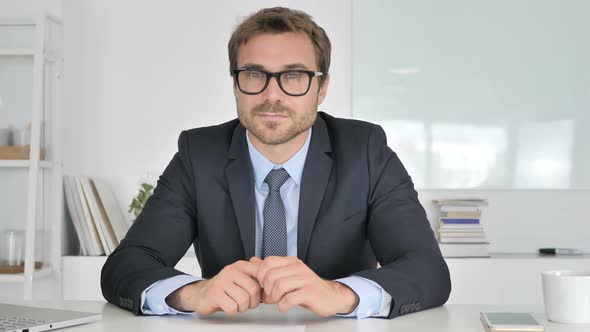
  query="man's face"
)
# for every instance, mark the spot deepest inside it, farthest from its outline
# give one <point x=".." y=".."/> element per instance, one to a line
<point x="272" y="116"/>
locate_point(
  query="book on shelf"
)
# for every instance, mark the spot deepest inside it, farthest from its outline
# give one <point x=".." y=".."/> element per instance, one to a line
<point x="75" y="216"/>
<point x="456" y="208"/>
<point x="111" y="209"/>
<point x="103" y="226"/>
<point x="461" y="228"/>
<point x="459" y="221"/>
<point x="463" y="240"/>
<point x="459" y="250"/>
<point x="467" y="237"/>
<point x="461" y="214"/>
<point x="460" y="232"/>
<point x="92" y="215"/>
<point x="95" y="244"/>
<point x="97" y="220"/>
<point x="461" y="202"/>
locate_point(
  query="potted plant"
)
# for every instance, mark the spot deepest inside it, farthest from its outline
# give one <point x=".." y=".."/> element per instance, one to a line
<point x="138" y="202"/>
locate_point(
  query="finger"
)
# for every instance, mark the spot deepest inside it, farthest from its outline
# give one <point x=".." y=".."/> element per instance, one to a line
<point x="227" y="304"/>
<point x="239" y="295"/>
<point x="291" y="300"/>
<point x="255" y="259"/>
<point x="251" y="286"/>
<point x="249" y="268"/>
<point x="267" y="299"/>
<point x="287" y="285"/>
<point x="278" y="273"/>
<point x="273" y="262"/>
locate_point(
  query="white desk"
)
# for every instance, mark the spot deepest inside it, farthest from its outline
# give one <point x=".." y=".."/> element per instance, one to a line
<point x="453" y="317"/>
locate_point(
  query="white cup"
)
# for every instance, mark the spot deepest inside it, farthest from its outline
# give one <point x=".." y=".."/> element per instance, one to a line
<point x="566" y="294"/>
<point x="12" y="253"/>
<point x="21" y="137"/>
<point x="4" y="136"/>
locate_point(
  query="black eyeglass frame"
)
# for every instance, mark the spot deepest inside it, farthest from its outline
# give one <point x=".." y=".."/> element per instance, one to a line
<point x="276" y="75"/>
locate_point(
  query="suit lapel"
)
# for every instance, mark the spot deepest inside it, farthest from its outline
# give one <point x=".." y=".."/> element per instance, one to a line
<point x="316" y="173"/>
<point x="241" y="188"/>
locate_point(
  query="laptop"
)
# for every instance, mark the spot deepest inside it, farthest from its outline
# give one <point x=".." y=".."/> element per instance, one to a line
<point x="29" y="319"/>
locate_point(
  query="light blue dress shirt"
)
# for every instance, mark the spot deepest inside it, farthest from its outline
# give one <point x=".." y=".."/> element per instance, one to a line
<point x="374" y="301"/>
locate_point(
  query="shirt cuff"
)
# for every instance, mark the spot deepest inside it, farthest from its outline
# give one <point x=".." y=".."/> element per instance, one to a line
<point x="374" y="301"/>
<point x="153" y="298"/>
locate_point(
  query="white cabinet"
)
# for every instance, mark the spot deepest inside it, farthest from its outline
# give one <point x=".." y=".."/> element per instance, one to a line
<point x="81" y="275"/>
<point x="506" y="278"/>
<point x="502" y="279"/>
<point x="30" y="173"/>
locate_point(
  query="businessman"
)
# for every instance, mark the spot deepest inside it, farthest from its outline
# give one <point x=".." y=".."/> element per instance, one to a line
<point x="284" y="205"/>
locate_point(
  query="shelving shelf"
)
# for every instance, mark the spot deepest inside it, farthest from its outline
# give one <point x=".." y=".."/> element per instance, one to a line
<point x="45" y="271"/>
<point x="26" y="52"/>
<point x="524" y="256"/>
<point x="24" y="164"/>
<point x="17" y="52"/>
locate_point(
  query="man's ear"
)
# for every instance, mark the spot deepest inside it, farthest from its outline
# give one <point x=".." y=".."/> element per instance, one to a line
<point x="236" y="90"/>
<point x="323" y="90"/>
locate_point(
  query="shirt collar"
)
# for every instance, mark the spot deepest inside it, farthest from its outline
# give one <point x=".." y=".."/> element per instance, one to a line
<point x="293" y="166"/>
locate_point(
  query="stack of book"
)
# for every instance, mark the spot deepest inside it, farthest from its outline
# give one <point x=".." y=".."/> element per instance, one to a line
<point x="460" y="232"/>
<point x="98" y="221"/>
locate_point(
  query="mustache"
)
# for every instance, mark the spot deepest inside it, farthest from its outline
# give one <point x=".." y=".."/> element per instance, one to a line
<point x="272" y="108"/>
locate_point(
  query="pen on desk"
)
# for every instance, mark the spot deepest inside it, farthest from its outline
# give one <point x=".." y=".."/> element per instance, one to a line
<point x="559" y="251"/>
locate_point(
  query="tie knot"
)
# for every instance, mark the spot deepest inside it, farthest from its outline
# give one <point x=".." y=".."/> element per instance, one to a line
<point x="276" y="178"/>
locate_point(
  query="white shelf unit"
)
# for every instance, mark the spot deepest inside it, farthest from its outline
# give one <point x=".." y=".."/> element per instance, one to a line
<point x="46" y="58"/>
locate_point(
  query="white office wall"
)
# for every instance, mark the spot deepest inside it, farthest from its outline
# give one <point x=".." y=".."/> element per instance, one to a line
<point x="137" y="73"/>
<point x="28" y="8"/>
<point x="478" y="93"/>
<point x="131" y="87"/>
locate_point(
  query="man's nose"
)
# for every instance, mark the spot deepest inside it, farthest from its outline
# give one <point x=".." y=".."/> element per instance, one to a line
<point x="273" y="91"/>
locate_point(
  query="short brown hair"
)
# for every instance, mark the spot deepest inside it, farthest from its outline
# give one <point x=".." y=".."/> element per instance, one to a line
<point x="280" y="20"/>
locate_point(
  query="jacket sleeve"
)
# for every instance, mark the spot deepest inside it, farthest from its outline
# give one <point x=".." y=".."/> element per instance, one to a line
<point x="412" y="270"/>
<point x="159" y="237"/>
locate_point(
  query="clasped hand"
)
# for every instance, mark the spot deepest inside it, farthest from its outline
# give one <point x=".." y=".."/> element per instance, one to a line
<point x="284" y="281"/>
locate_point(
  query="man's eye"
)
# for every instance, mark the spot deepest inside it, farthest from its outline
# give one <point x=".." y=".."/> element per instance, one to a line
<point x="255" y="74"/>
<point x="293" y="75"/>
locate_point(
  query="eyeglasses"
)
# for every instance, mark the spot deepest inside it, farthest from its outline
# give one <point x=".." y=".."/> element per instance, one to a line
<point x="294" y="82"/>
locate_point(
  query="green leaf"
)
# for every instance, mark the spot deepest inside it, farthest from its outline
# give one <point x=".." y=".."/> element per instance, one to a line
<point x="139" y="201"/>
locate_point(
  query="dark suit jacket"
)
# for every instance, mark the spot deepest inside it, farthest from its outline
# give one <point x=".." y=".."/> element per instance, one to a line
<point x="357" y="207"/>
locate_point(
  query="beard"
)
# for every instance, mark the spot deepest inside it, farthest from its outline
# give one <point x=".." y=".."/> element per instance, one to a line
<point x="271" y="132"/>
